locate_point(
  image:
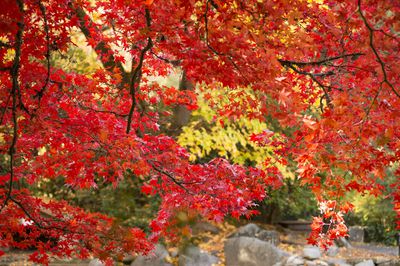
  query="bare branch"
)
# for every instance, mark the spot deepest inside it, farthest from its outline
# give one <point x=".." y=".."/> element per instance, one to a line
<point x="137" y="73"/>
<point x="5" y="45"/>
<point x="102" y="47"/>
<point x="313" y="77"/>
<point x="171" y="177"/>
<point x="353" y="56"/>
<point x="101" y="111"/>
<point x="14" y="90"/>
<point x="39" y="94"/>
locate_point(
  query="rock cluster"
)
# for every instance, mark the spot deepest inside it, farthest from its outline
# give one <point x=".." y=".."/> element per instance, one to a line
<point x="251" y="245"/>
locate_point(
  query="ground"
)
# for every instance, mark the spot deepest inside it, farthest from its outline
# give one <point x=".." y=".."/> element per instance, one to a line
<point x="291" y="241"/>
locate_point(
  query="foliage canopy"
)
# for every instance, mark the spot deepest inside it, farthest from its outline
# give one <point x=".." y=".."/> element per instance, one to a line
<point x="323" y="74"/>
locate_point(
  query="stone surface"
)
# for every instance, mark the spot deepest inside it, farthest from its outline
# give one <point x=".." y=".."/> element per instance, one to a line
<point x="201" y="227"/>
<point x="193" y="256"/>
<point x="155" y="258"/>
<point x="96" y="262"/>
<point x="252" y="230"/>
<point x="320" y="263"/>
<point x="316" y="263"/>
<point x="342" y="242"/>
<point x="268" y="236"/>
<point x="337" y="262"/>
<point x="294" y="260"/>
<point x="387" y="262"/>
<point x="356" y="234"/>
<point x="250" y="251"/>
<point x="249" y="230"/>
<point x="332" y="251"/>
<point x="381" y="260"/>
<point x="311" y="252"/>
<point x="366" y="263"/>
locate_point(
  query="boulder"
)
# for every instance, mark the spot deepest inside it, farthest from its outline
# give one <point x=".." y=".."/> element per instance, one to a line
<point x="337" y="262"/>
<point x="311" y="252"/>
<point x="356" y="234"/>
<point x="249" y="230"/>
<point x="251" y="251"/>
<point x="154" y="258"/>
<point x="193" y="256"/>
<point x="332" y="251"/>
<point x="202" y="227"/>
<point x="342" y="242"/>
<point x="96" y="262"/>
<point x="381" y="261"/>
<point x="252" y="230"/>
<point x="366" y="263"/>
<point x="294" y="260"/>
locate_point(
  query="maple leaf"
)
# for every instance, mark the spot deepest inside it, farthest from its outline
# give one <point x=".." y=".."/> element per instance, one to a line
<point x="284" y="98"/>
<point x="307" y="120"/>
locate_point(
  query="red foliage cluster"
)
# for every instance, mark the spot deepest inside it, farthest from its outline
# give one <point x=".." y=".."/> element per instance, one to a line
<point x="326" y="70"/>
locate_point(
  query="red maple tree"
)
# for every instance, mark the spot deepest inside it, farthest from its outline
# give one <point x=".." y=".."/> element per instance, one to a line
<point x="325" y="69"/>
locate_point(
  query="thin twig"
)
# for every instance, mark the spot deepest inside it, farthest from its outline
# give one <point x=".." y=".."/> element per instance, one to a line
<point x="5" y="45"/>
<point x="313" y="77"/>
<point x="319" y="62"/>
<point x="84" y="107"/>
<point x="171" y="177"/>
<point x="371" y="44"/>
<point x="370" y="108"/>
<point x="39" y="94"/>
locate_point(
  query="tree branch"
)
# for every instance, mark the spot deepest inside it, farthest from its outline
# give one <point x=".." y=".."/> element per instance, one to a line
<point x="101" y="111"/>
<point x="171" y="177"/>
<point x="5" y="45"/>
<point x="39" y="94"/>
<point x="87" y="25"/>
<point x="14" y="72"/>
<point x="373" y="48"/>
<point x="313" y="77"/>
<point x="353" y="56"/>
<point x="137" y="73"/>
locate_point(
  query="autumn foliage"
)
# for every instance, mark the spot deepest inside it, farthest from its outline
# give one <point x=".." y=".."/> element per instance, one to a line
<point x="326" y="71"/>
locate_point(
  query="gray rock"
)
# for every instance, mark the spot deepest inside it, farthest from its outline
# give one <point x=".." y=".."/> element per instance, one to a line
<point x="311" y="252"/>
<point x="332" y="251"/>
<point x="294" y="260"/>
<point x="193" y="256"/>
<point x="154" y="258"/>
<point x="252" y="230"/>
<point x="366" y="263"/>
<point x="380" y="260"/>
<point x="387" y="262"/>
<point x="174" y="253"/>
<point x="201" y="227"/>
<point x="342" y="242"/>
<point x="354" y="261"/>
<point x="320" y="263"/>
<point x="337" y="262"/>
<point x="250" y="251"/>
<point x="356" y="234"/>
<point x="249" y="230"/>
<point x="96" y="262"/>
<point x="268" y="236"/>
